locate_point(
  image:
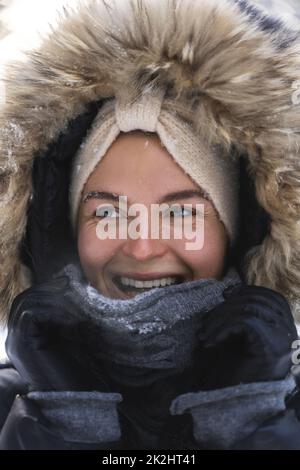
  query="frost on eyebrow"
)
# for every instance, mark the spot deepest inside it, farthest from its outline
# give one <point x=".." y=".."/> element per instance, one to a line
<point x="88" y="196"/>
<point x="100" y="195"/>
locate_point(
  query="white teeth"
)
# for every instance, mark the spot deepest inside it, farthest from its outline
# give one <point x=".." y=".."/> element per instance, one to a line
<point x="165" y="281"/>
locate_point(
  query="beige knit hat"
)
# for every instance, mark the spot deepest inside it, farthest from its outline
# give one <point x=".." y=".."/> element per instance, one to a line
<point x="216" y="174"/>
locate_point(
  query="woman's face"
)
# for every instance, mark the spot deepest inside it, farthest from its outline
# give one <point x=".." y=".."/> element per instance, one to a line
<point x="139" y="167"/>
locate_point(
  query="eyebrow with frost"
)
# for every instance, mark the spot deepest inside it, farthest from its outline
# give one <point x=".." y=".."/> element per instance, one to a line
<point x="174" y="196"/>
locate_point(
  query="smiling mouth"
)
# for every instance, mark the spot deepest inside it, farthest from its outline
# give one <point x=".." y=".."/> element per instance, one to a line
<point x="132" y="286"/>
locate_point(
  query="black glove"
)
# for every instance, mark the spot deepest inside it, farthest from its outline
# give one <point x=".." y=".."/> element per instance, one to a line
<point x="48" y="341"/>
<point x="27" y="429"/>
<point x="247" y="338"/>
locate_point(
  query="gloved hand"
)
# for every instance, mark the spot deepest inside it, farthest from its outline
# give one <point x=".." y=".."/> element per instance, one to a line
<point x="49" y="341"/>
<point x="26" y="428"/>
<point x="247" y="338"/>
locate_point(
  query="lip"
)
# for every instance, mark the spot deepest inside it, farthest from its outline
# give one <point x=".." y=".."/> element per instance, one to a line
<point x="126" y="295"/>
<point x="149" y="276"/>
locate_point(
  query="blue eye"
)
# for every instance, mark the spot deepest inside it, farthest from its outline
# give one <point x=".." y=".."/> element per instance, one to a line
<point x="105" y="211"/>
<point x="181" y="212"/>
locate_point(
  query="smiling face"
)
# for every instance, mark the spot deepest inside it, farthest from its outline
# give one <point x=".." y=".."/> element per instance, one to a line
<point x="139" y="167"/>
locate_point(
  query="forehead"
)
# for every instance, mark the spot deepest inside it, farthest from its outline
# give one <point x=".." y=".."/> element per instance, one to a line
<point x="139" y="159"/>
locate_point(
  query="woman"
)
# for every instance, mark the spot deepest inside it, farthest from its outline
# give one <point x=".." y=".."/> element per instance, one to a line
<point x="139" y="342"/>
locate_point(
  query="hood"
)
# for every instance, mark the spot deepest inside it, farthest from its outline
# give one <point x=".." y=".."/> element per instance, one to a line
<point x="237" y="67"/>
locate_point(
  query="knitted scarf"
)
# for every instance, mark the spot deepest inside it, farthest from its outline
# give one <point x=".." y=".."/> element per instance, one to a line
<point x="152" y="335"/>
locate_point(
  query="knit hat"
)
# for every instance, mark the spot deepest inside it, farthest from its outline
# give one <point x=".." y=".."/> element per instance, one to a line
<point x="216" y="174"/>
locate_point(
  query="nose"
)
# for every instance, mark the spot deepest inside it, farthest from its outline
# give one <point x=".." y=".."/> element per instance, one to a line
<point x="143" y="249"/>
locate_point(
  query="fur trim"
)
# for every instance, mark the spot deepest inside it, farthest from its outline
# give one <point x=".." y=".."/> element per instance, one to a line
<point x="235" y="67"/>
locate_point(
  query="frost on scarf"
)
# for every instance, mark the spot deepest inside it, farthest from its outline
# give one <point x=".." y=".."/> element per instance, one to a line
<point x="155" y="330"/>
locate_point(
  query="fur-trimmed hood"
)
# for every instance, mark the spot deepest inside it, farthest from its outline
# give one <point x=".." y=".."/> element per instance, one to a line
<point x="240" y="70"/>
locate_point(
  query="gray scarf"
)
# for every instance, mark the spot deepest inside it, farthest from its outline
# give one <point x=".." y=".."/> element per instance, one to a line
<point x="153" y="334"/>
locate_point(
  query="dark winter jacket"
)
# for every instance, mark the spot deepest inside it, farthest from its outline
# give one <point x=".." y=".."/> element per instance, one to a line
<point x="239" y="71"/>
<point x="25" y="428"/>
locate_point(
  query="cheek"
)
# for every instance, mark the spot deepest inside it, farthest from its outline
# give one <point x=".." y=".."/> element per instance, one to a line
<point x="94" y="254"/>
<point x="208" y="261"/>
<point x="213" y="255"/>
